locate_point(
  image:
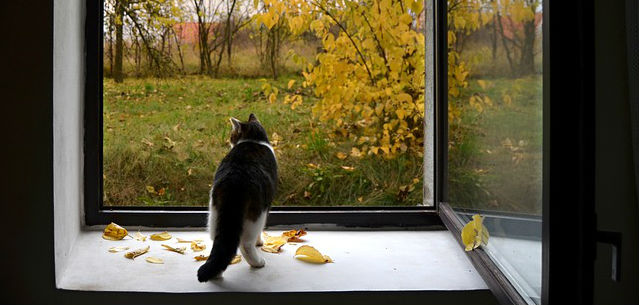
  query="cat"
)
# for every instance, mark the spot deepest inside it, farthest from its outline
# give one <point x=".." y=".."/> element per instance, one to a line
<point x="243" y="189"/>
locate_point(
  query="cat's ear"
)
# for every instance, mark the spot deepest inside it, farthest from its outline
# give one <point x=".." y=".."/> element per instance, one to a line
<point x="236" y="124"/>
<point x="253" y="118"/>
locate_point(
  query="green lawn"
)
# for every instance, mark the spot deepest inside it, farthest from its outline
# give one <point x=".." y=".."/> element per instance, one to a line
<point x="496" y="155"/>
<point x="163" y="139"/>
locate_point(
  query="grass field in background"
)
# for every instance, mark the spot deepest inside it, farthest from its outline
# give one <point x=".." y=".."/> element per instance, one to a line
<point x="163" y="139"/>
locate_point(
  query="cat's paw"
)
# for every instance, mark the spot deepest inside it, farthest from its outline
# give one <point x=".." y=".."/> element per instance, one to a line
<point x="259" y="264"/>
<point x="205" y="273"/>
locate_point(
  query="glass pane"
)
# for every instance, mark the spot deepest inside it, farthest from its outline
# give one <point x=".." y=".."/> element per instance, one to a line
<point x="495" y="129"/>
<point x="338" y="86"/>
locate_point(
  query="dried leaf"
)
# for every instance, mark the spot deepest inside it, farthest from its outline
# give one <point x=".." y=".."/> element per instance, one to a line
<point x="176" y="250"/>
<point x="474" y="233"/>
<point x="340" y="155"/>
<point x="114" y="232"/>
<point x="135" y="253"/>
<point x="161" y="236"/>
<point x="272" y="244"/>
<point x="150" y="189"/>
<point x="311" y="255"/>
<point x="294" y="235"/>
<point x="201" y="257"/>
<point x="188" y="241"/>
<point x="197" y="246"/>
<point x="236" y="259"/>
<point x="154" y="260"/>
<point x="348" y="168"/>
<point x="139" y="236"/>
<point x="117" y="249"/>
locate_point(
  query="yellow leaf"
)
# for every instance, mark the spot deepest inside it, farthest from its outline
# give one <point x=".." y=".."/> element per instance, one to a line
<point x="161" y="236"/>
<point x="176" y="250"/>
<point x="474" y="233"/>
<point x="340" y="155"/>
<point x="139" y="236"/>
<point x="290" y="83"/>
<point x="197" y="246"/>
<point x="117" y="249"/>
<point x="135" y="253"/>
<point x="236" y="259"/>
<point x="348" y="168"/>
<point x="482" y="84"/>
<point x="154" y="260"/>
<point x="150" y="189"/>
<point x="180" y="240"/>
<point x="114" y="232"/>
<point x="311" y="255"/>
<point x="294" y="235"/>
<point x="355" y="152"/>
<point x="201" y="257"/>
<point x="273" y="244"/>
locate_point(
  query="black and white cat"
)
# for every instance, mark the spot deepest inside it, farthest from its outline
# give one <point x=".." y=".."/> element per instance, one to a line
<point x="244" y="186"/>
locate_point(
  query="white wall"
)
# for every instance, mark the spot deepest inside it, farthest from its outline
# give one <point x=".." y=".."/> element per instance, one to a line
<point x="68" y="96"/>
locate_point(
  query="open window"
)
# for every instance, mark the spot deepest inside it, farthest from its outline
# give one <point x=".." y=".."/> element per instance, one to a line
<point x="507" y="130"/>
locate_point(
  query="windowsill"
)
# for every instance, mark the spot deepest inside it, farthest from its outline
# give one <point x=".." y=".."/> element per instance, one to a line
<point x="364" y="261"/>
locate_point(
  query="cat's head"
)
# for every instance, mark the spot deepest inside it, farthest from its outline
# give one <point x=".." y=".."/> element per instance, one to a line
<point x="249" y="130"/>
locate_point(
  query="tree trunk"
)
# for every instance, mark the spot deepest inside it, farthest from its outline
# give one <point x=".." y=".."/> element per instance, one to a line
<point x="527" y="54"/>
<point x="119" y="43"/>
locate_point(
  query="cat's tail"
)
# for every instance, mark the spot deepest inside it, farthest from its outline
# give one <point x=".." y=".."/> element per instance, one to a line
<point x="227" y="238"/>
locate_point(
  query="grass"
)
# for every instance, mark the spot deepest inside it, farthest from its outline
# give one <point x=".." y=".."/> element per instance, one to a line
<point x="163" y="139"/>
<point x="495" y="155"/>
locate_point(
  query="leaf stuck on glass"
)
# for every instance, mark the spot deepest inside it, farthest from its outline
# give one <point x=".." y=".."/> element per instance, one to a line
<point x="474" y="233"/>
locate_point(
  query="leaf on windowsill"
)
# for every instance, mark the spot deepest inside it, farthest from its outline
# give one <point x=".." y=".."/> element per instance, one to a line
<point x="161" y="236"/>
<point x="154" y="260"/>
<point x="236" y="259"/>
<point x="311" y="255"/>
<point x="197" y="246"/>
<point x="138" y="236"/>
<point x="117" y="249"/>
<point x="474" y="233"/>
<point x="201" y="257"/>
<point x="135" y="253"/>
<point x="272" y="244"/>
<point x="187" y="241"/>
<point x="294" y="235"/>
<point x="180" y="250"/>
<point x="114" y="232"/>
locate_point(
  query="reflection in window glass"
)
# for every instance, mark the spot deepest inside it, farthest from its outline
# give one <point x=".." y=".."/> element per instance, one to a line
<point x="495" y="129"/>
<point x="338" y="85"/>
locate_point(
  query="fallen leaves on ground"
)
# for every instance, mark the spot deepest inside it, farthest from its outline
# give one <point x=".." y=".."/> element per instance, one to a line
<point x="135" y="253"/>
<point x="311" y="255"/>
<point x="176" y="250"/>
<point x="187" y="241"/>
<point x="154" y="260"/>
<point x="117" y="249"/>
<point x="474" y="233"/>
<point x="197" y="246"/>
<point x="272" y="244"/>
<point x="114" y="232"/>
<point x="161" y="236"/>
<point x="294" y="235"/>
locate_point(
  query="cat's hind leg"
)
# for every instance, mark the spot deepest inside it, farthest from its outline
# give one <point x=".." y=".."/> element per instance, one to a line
<point x="251" y="235"/>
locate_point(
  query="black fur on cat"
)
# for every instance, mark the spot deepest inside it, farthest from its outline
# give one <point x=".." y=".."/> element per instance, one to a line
<point x="244" y="186"/>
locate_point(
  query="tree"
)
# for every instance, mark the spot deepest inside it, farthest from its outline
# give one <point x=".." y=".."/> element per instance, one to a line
<point x="516" y="22"/>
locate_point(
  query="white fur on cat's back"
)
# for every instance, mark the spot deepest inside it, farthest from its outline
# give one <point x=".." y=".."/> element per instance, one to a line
<point x="264" y="143"/>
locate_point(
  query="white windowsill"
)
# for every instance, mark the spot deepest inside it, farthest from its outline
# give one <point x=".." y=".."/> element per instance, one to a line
<point x="364" y="261"/>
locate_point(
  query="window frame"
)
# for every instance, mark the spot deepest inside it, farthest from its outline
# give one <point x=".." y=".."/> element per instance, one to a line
<point x="568" y="157"/>
<point x="95" y="213"/>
